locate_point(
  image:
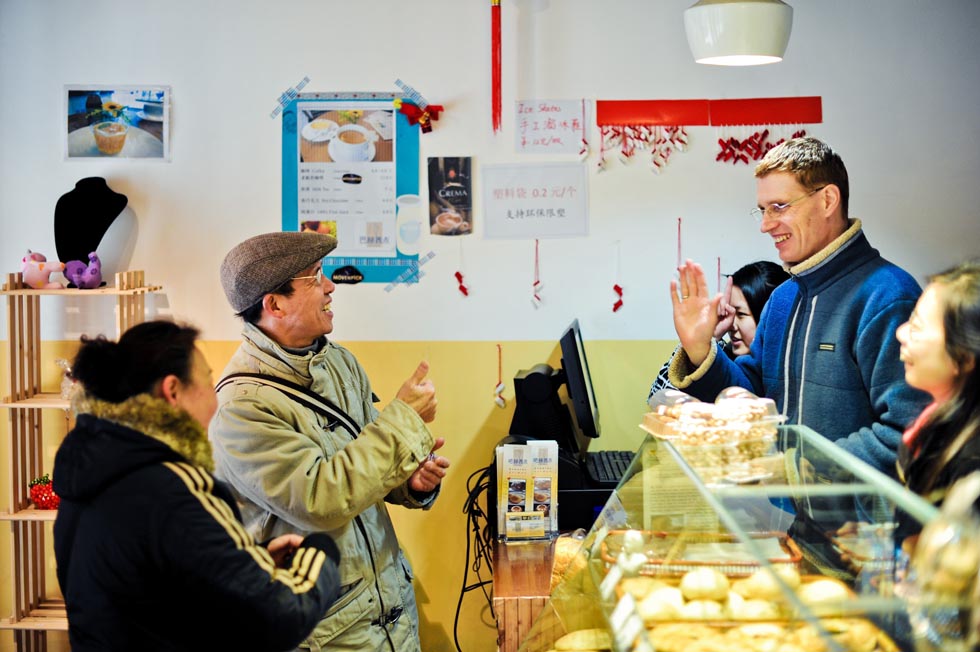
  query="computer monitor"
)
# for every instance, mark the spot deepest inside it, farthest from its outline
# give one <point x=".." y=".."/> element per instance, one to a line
<point x="578" y="383"/>
<point x="541" y="413"/>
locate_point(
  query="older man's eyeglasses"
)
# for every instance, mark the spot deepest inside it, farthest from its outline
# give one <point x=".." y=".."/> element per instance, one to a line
<point x="774" y="210"/>
<point x="317" y="278"/>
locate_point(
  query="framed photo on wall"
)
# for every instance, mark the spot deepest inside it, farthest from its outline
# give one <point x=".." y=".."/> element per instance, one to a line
<point x="117" y="122"/>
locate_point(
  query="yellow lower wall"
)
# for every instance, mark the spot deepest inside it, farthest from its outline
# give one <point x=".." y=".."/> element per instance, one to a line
<point x="464" y="374"/>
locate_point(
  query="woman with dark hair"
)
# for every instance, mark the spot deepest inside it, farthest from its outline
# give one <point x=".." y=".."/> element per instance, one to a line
<point x="749" y="289"/>
<point x="941" y="349"/>
<point x="150" y="549"/>
<point x="751" y="286"/>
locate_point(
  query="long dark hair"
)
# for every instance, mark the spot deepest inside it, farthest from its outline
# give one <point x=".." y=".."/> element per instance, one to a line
<point x="144" y="355"/>
<point x="957" y="421"/>
<point x="757" y="281"/>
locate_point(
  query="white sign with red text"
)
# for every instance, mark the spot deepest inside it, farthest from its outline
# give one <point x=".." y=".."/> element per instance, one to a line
<point x="549" y="200"/>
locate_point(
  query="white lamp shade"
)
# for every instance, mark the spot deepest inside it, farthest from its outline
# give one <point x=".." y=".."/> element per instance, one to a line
<point x="738" y="32"/>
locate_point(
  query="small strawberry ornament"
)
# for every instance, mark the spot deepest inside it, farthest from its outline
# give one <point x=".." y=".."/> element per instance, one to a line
<point x="42" y="495"/>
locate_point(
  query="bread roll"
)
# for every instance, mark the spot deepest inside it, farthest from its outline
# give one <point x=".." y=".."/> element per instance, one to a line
<point x="639" y="587"/>
<point x="853" y="634"/>
<point x="584" y="639"/>
<point x="679" y="637"/>
<point x="762" y="584"/>
<point x="656" y="607"/>
<point x="704" y="584"/>
<point x="733" y="603"/>
<point x="756" y="610"/>
<point x="824" y="596"/>
<point x="668" y="594"/>
<point x="566" y="559"/>
<point x="702" y="610"/>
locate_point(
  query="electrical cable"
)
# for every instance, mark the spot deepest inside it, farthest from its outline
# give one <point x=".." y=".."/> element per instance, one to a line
<point x="482" y="542"/>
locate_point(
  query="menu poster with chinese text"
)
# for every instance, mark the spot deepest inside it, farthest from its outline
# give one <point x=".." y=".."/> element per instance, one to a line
<point x="450" y="195"/>
<point x="550" y="126"/>
<point x="347" y="159"/>
<point x="535" y="201"/>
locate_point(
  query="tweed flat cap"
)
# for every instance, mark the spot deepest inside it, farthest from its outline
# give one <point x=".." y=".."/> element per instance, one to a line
<point x="262" y="263"/>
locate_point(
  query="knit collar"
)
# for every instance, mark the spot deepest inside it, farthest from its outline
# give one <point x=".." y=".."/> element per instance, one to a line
<point x="821" y="256"/>
<point x="154" y="418"/>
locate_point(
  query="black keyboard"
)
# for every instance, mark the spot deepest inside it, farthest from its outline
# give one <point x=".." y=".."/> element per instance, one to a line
<point x="607" y="468"/>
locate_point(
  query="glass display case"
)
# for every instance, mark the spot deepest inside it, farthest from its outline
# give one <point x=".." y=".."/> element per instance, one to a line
<point x="795" y="547"/>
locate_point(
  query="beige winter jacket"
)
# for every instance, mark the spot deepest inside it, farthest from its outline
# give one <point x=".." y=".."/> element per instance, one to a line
<point x="292" y="473"/>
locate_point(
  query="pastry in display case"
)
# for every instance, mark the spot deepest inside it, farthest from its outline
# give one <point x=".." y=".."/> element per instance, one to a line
<point x="942" y="586"/>
<point x="687" y="560"/>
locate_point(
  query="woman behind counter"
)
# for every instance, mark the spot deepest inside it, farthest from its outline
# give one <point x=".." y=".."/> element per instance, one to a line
<point x="748" y="289"/>
<point x="150" y="549"/>
<point x="940" y="348"/>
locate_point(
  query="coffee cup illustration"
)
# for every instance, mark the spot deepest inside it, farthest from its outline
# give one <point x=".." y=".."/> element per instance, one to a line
<point x="353" y="143"/>
<point x="449" y="222"/>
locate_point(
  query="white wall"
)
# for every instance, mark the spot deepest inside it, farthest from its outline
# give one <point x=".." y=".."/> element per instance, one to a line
<point x="898" y="81"/>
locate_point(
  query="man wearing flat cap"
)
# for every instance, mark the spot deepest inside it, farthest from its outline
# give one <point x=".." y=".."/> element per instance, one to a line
<point x="298" y="438"/>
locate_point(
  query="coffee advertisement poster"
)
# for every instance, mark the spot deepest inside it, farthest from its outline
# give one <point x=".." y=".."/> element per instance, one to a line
<point x="451" y="195"/>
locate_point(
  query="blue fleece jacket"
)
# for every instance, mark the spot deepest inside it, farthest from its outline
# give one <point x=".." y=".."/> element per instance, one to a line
<point x="825" y="351"/>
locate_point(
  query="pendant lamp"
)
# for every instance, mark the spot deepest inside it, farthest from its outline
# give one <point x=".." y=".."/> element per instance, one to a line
<point x="738" y="32"/>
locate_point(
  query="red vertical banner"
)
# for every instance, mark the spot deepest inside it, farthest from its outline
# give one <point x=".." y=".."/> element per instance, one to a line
<point x="497" y="107"/>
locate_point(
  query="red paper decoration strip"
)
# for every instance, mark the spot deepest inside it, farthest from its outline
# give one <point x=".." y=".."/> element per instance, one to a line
<point x="752" y="111"/>
<point x="766" y="111"/>
<point x="657" y="126"/>
<point x="652" y="112"/>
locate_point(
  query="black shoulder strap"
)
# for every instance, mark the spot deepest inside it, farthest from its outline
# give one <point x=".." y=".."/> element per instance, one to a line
<point x="301" y="395"/>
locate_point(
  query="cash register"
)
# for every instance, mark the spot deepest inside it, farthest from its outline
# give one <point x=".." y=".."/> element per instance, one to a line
<point x="570" y="417"/>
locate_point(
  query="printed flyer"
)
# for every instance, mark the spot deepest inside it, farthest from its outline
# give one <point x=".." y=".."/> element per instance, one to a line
<point x="527" y="485"/>
<point x="350" y="170"/>
<point x="450" y="195"/>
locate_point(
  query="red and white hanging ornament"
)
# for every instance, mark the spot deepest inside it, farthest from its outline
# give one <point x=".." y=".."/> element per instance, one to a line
<point x="463" y="289"/>
<point x="748" y="147"/>
<point x="659" y="141"/>
<point x="498" y="390"/>
<point x="583" y="152"/>
<point x="537" y="286"/>
<point x="617" y="288"/>
<point x="679" y="259"/>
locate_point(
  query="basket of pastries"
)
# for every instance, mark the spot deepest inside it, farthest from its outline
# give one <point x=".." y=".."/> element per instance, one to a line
<point x="704" y="610"/>
<point x="721" y="440"/>
<point x="674" y="553"/>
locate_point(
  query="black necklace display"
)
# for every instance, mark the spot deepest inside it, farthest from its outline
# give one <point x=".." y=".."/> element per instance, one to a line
<point x="83" y="215"/>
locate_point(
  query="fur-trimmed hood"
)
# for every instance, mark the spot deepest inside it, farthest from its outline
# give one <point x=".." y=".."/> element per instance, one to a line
<point x="113" y="439"/>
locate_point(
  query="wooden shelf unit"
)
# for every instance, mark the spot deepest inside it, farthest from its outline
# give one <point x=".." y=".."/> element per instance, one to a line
<point x="34" y="612"/>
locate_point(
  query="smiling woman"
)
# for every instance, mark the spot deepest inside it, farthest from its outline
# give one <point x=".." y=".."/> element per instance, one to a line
<point x="751" y="286"/>
<point x="940" y="349"/>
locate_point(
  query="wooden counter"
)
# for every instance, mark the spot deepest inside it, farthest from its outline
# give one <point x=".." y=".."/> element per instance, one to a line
<point x="521" y="588"/>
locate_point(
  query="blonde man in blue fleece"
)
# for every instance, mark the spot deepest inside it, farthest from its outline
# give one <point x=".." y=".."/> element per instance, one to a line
<point x="824" y="348"/>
